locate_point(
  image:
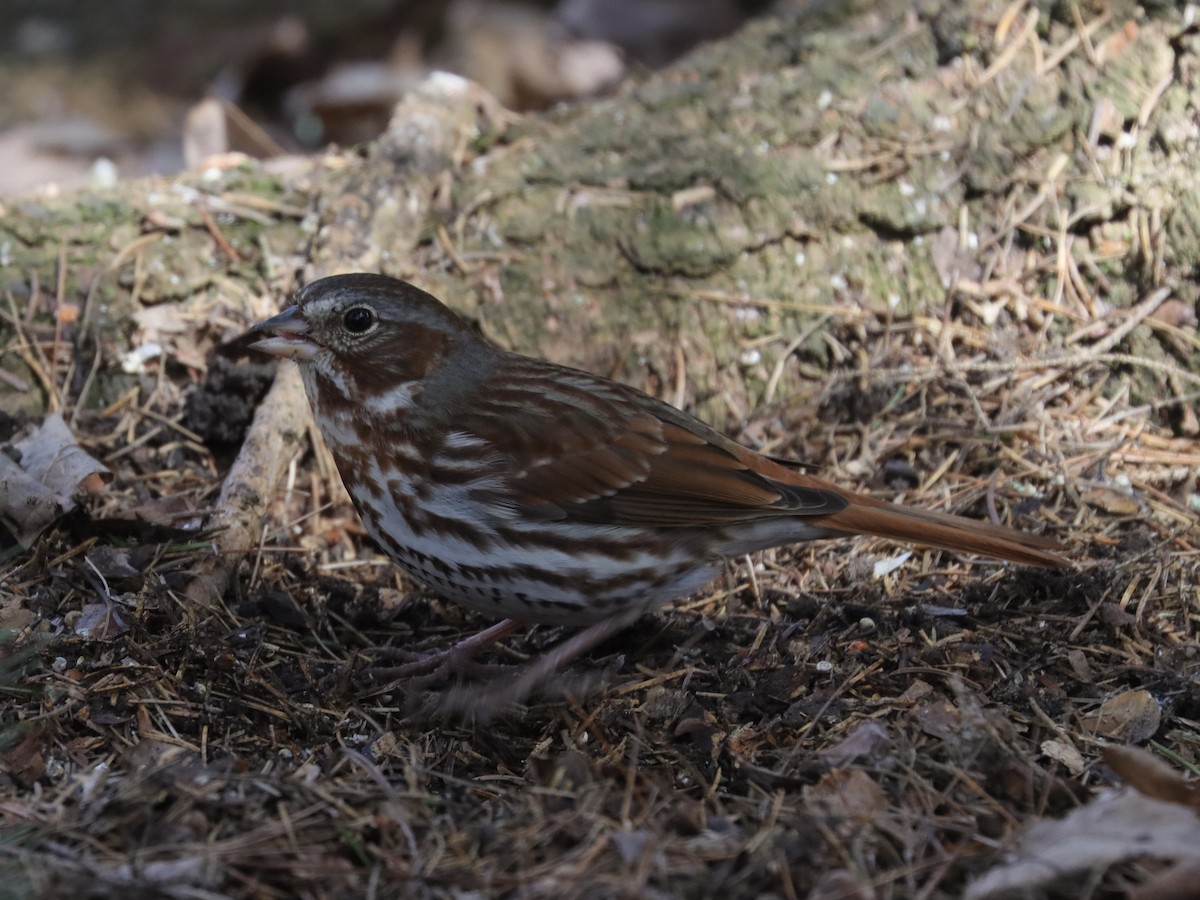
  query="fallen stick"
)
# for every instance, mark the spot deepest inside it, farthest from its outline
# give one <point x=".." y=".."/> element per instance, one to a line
<point x="277" y="435"/>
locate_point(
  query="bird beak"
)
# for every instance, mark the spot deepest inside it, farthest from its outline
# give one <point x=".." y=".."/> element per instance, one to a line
<point x="284" y="335"/>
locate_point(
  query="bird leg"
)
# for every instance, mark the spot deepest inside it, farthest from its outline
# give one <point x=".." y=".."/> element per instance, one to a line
<point x="480" y="701"/>
<point x="480" y="704"/>
<point x="452" y="657"/>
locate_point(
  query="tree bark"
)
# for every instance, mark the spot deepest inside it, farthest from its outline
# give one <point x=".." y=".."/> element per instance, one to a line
<point x="724" y="230"/>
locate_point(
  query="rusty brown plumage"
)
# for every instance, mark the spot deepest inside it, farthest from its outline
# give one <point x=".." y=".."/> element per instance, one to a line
<point x="541" y="493"/>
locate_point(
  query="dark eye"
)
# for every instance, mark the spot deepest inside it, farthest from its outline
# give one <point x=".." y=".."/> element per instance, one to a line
<point x="358" y="319"/>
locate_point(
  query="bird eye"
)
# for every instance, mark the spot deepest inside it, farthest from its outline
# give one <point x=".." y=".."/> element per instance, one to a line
<point x="358" y="320"/>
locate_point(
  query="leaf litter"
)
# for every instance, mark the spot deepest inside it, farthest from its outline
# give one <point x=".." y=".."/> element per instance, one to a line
<point x="824" y="722"/>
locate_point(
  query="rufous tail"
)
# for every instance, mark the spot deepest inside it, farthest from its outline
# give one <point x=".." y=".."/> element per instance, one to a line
<point x="866" y="515"/>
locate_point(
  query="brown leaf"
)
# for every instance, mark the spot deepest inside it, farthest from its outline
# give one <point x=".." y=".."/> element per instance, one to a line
<point x="1131" y="716"/>
<point x="1066" y="753"/>
<point x="1115" y="616"/>
<point x="25" y="763"/>
<point x="864" y="741"/>
<point x="100" y="622"/>
<point x="1176" y="313"/>
<point x="1080" y="666"/>
<point x="848" y="793"/>
<point x="41" y="487"/>
<point x="941" y="719"/>
<point x="1111" y="500"/>
<point x="1109" y="830"/>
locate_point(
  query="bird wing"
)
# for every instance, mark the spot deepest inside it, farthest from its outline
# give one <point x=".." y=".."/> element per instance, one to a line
<point x="589" y="450"/>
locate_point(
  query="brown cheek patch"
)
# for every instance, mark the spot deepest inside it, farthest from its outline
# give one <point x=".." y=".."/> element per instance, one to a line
<point x="406" y="353"/>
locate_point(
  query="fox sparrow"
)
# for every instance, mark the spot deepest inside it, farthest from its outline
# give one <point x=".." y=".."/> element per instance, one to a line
<point x="540" y="493"/>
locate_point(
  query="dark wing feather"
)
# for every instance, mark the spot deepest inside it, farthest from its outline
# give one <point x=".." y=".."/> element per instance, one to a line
<point x="589" y="450"/>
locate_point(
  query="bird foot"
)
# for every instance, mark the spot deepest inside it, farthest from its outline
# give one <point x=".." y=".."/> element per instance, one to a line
<point x="493" y="689"/>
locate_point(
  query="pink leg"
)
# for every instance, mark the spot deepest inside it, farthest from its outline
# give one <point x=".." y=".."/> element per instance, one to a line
<point x="463" y="651"/>
<point x="481" y="704"/>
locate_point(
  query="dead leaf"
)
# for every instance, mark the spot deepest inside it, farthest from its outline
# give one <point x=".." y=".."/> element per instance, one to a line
<point x="1130" y="717"/>
<point x="1080" y="666"/>
<point x="940" y="719"/>
<point x="15" y="616"/>
<point x="1111" y="829"/>
<point x="100" y="622"/>
<point x="111" y="563"/>
<point x="848" y="793"/>
<point x="25" y="763"/>
<point x="1114" y="615"/>
<point x="918" y="690"/>
<point x="1111" y="500"/>
<point x="1176" y="313"/>
<point x="39" y="486"/>
<point x="864" y="741"/>
<point x="841" y="884"/>
<point x="1065" y="753"/>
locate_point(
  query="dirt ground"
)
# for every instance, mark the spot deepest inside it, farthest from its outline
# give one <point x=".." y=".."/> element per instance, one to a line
<point x="189" y="716"/>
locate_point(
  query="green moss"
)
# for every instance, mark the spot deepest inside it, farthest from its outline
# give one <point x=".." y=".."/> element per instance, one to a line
<point x="1127" y="77"/>
<point x="526" y="217"/>
<point x="663" y="241"/>
<point x="899" y="212"/>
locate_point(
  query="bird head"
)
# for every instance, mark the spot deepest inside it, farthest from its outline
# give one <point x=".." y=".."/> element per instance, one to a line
<point x="361" y="334"/>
